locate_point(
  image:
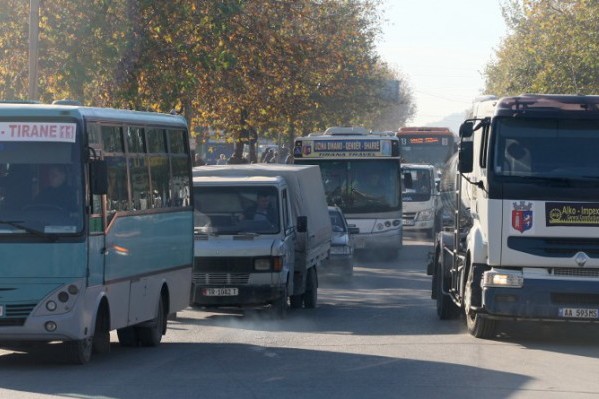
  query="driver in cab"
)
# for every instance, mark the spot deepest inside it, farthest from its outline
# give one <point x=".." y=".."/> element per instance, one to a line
<point x="57" y="193"/>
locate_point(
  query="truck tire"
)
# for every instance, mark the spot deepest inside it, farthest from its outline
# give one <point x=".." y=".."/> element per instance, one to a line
<point x="311" y="294"/>
<point x="279" y="306"/>
<point x="295" y="301"/>
<point x="446" y="308"/>
<point x="478" y="325"/>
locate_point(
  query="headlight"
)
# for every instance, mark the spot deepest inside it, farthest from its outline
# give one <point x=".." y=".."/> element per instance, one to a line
<point x="425" y="215"/>
<point x="503" y="278"/>
<point x="262" y="264"/>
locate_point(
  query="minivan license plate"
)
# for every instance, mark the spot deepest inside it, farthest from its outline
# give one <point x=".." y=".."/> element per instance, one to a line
<point x="220" y="292"/>
<point x="579" y="313"/>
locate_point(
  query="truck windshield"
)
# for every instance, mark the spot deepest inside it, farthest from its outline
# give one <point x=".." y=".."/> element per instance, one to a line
<point x="40" y="189"/>
<point x="236" y="210"/>
<point x="552" y="149"/>
<point x="416" y="185"/>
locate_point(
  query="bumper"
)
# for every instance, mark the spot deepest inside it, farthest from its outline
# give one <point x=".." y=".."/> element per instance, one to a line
<point x="417" y="226"/>
<point x="386" y="240"/>
<point x="247" y="296"/>
<point x="542" y="299"/>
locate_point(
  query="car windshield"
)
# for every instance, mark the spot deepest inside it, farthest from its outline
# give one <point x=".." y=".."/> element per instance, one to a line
<point x="236" y="210"/>
<point x="416" y="184"/>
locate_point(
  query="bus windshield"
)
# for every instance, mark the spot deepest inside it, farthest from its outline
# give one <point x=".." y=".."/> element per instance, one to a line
<point x="40" y="188"/>
<point x="361" y="186"/>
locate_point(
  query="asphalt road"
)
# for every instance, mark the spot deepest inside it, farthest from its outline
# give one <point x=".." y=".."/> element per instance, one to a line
<point x="376" y="336"/>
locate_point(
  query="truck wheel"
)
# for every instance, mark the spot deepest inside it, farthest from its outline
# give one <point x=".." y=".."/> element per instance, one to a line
<point x="446" y="309"/>
<point x="311" y="294"/>
<point x="279" y="306"/>
<point x="478" y="325"/>
<point x="295" y="301"/>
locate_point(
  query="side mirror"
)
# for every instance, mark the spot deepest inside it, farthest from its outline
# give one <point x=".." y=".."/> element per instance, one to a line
<point x="99" y="176"/>
<point x="302" y="224"/>
<point x="353" y="230"/>
<point x="467" y="129"/>
<point x="466" y="157"/>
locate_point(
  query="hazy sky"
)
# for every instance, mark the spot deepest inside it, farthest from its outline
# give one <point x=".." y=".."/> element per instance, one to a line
<point x="442" y="47"/>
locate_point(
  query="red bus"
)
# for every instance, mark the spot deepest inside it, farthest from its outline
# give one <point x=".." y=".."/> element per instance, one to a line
<point x="426" y="145"/>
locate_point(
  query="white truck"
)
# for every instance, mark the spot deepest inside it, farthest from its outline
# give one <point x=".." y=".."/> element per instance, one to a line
<point x="525" y="195"/>
<point x="421" y="201"/>
<point x="261" y="232"/>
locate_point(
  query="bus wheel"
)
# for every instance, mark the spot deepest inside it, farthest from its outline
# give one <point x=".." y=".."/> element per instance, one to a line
<point x="151" y="335"/>
<point x="127" y="336"/>
<point x="79" y="351"/>
<point x="311" y="294"/>
<point x="101" y="341"/>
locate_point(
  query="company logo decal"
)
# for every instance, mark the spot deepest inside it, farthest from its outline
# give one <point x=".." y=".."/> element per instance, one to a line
<point x="522" y="216"/>
<point x="571" y="214"/>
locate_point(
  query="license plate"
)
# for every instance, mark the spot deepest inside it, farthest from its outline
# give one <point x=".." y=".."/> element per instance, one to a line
<point x="1" y="310"/>
<point x="579" y="313"/>
<point x="408" y="222"/>
<point x="220" y="292"/>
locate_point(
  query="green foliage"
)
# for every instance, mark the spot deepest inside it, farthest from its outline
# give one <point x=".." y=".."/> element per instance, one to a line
<point x="552" y="48"/>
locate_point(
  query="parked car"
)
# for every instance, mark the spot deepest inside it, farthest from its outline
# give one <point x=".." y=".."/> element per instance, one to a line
<point x="340" y="260"/>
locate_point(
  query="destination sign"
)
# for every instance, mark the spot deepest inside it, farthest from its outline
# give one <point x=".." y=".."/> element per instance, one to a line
<point x="344" y="148"/>
<point x="423" y="141"/>
<point x="38" y="131"/>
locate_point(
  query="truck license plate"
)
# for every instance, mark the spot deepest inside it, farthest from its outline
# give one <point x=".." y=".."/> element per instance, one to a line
<point x="579" y="313"/>
<point x="220" y="292"/>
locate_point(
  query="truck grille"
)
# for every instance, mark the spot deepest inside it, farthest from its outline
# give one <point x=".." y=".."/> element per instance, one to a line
<point x="221" y="278"/>
<point x="575" y="299"/>
<point x="555" y="247"/>
<point x="578" y="272"/>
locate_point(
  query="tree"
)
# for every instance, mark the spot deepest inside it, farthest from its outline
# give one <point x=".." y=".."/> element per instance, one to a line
<point x="552" y="48"/>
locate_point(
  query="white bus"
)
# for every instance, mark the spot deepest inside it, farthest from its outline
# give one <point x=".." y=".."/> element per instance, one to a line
<point x="96" y="225"/>
<point x="362" y="176"/>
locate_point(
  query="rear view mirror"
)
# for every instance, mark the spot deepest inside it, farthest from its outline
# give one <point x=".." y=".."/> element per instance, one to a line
<point x="99" y="176"/>
<point x="466" y="157"/>
<point x="467" y="129"/>
<point x="302" y="224"/>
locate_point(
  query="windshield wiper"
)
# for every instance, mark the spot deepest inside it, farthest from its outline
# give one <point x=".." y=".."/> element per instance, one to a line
<point x="18" y="225"/>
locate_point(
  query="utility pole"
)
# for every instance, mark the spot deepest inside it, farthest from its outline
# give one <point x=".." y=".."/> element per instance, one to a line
<point x="34" y="19"/>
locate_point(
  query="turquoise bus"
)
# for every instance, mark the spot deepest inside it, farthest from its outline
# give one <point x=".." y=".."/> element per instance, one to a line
<point x="96" y="226"/>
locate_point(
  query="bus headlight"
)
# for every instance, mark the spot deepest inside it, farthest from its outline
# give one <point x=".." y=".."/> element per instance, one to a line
<point x="503" y="278"/>
<point x="425" y="215"/>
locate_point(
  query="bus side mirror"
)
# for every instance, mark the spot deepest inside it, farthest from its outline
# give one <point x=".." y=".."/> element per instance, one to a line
<point x="99" y="177"/>
<point x="302" y="224"/>
<point x="466" y="157"/>
<point x="407" y="180"/>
